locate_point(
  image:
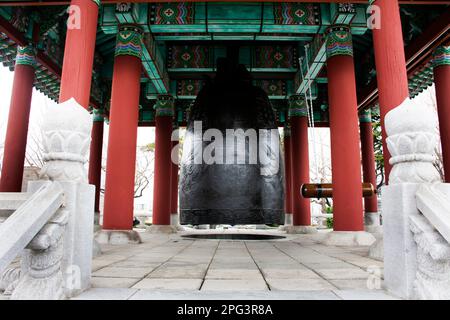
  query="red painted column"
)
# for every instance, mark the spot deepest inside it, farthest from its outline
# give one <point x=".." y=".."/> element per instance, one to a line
<point x="19" y="116"/>
<point x="79" y="51"/>
<point x="124" y="116"/>
<point x="301" y="207"/>
<point x="95" y="156"/>
<point x="344" y="131"/>
<point x="390" y="63"/>
<point x="368" y="159"/>
<point x="287" y="171"/>
<point x="174" y="173"/>
<point x="441" y="65"/>
<point x="163" y="164"/>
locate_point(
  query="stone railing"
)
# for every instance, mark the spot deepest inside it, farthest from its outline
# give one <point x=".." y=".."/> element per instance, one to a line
<point x="38" y="225"/>
<point x="52" y="227"/>
<point x="432" y="235"/>
<point x="415" y="208"/>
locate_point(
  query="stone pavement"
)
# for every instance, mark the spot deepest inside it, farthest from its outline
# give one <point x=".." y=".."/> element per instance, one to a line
<point x="172" y="267"/>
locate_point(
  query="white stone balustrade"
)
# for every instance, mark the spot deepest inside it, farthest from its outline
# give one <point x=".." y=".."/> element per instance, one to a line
<point x="58" y="258"/>
<point x="66" y="137"/>
<point x="25" y="226"/>
<point x="416" y="256"/>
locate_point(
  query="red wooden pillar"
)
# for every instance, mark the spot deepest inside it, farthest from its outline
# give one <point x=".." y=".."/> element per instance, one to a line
<point x="301" y="207"/>
<point x="287" y="172"/>
<point x="390" y="63"/>
<point x="441" y="65"/>
<point x="344" y="131"/>
<point x="174" y="173"/>
<point x="124" y="116"/>
<point x="95" y="156"/>
<point x="163" y="164"/>
<point x="19" y="116"/>
<point x="368" y="160"/>
<point x="79" y="51"/>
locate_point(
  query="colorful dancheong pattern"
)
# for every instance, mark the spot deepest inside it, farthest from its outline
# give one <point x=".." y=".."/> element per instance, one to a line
<point x="297" y="106"/>
<point x="189" y="87"/>
<point x="192" y="56"/>
<point x="339" y="41"/>
<point x="172" y="13"/>
<point x="365" y="116"/>
<point x="129" y="41"/>
<point x="272" y="87"/>
<point x="296" y="13"/>
<point x="165" y="106"/>
<point x="441" y="56"/>
<point x="26" y="56"/>
<point x="275" y="57"/>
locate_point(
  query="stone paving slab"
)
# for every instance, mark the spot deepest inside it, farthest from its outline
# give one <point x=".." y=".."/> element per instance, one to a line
<point x="104" y="282"/>
<point x="352" y="284"/>
<point x="234" y="285"/>
<point x="129" y="263"/>
<point x="227" y="273"/>
<point x="359" y="294"/>
<point x="299" y="284"/>
<point x="169" y="284"/>
<point x="236" y="295"/>
<point x="297" y="267"/>
<point x="122" y="272"/>
<point x="106" y="294"/>
<point x="294" y="273"/>
<point x="341" y="273"/>
<point x="183" y="272"/>
<point x="330" y="265"/>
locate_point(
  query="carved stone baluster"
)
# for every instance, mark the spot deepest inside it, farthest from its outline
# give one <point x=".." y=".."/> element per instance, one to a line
<point x="61" y="254"/>
<point x="43" y="279"/>
<point x="411" y="130"/>
<point x="433" y="261"/>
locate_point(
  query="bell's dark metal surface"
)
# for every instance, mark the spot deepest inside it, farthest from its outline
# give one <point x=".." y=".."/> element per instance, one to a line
<point x="216" y="186"/>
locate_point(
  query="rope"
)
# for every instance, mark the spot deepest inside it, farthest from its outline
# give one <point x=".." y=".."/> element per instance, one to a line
<point x="309" y="106"/>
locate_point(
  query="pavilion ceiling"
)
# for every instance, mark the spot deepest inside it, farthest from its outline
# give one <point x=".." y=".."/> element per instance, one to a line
<point x="281" y="44"/>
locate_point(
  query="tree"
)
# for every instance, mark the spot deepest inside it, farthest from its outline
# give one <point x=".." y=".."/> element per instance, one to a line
<point x="378" y="147"/>
<point x="145" y="157"/>
<point x="144" y="170"/>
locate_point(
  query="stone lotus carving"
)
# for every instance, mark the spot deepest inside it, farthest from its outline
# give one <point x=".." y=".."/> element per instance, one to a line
<point x="66" y="137"/>
<point x="433" y="261"/>
<point x="411" y="141"/>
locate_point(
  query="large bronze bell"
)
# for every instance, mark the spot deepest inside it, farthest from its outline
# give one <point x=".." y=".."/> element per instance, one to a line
<point x="217" y="186"/>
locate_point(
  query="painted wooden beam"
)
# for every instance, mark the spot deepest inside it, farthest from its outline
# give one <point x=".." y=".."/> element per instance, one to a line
<point x="41" y="57"/>
<point x="67" y="2"/>
<point x="305" y="77"/>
